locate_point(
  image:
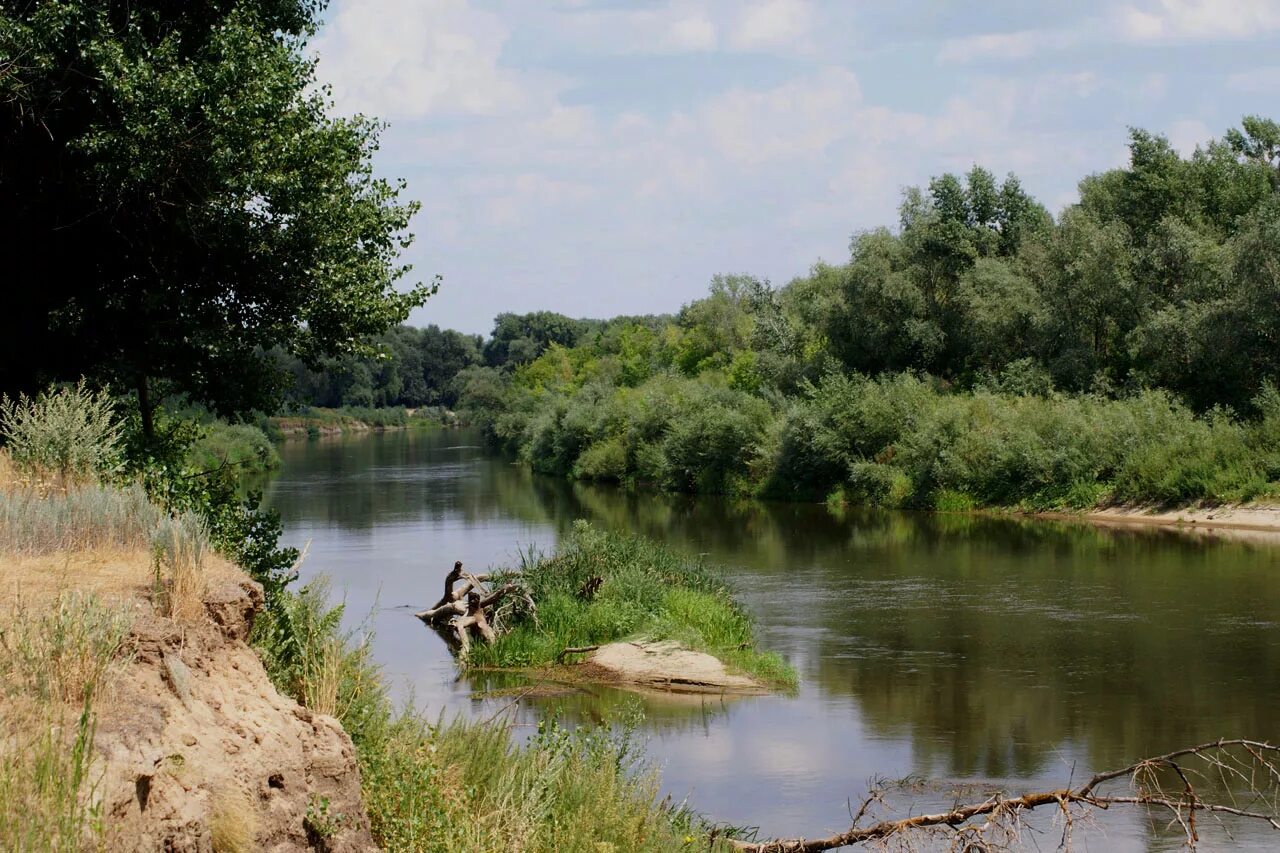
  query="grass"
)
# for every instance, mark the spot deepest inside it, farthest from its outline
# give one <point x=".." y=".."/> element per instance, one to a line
<point x="233" y="822"/>
<point x="179" y="547"/>
<point x="646" y="590"/>
<point x="469" y="786"/>
<point x="32" y="522"/>
<point x="53" y="665"/>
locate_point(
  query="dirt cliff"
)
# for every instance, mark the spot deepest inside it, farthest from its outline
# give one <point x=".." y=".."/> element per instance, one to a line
<point x="197" y="750"/>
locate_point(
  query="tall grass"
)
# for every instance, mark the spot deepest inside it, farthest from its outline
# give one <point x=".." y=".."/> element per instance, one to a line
<point x="469" y="786"/>
<point x="53" y="665"/>
<point x="179" y="546"/>
<point x="645" y="590"/>
<point x="33" y="523"/>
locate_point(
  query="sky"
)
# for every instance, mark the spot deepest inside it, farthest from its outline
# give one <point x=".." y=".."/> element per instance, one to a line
<point x="601" y="157"/>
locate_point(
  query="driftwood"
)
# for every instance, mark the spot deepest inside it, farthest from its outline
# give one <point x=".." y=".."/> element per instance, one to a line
<point x="574" y="650"/>
<point x="995" y="823"/>
<point x="466" y="611"/>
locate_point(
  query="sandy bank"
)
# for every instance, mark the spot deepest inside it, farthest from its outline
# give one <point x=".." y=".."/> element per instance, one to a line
<point x="1251" y="522"/>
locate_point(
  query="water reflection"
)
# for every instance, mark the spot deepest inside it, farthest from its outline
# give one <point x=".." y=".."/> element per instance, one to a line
<point x="950" y="646"/>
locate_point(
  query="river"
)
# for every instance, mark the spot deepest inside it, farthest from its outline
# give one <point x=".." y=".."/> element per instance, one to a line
<point x="972" y="651"/>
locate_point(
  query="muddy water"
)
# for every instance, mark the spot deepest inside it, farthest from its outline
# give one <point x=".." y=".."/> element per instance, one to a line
<point x="973" y="653"/>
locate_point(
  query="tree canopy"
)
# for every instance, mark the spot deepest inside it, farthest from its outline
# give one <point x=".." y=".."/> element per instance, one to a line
<point x="176" y="199"/>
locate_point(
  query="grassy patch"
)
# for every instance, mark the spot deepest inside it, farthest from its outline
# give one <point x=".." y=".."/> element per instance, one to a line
<point x="52" y="666"/>
<point x="470" y="786"/>
<point x="644" y="590"/>
<point x="88" y="517"/>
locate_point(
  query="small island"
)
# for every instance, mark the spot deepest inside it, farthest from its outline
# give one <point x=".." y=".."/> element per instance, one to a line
<point x="608" y="608"/>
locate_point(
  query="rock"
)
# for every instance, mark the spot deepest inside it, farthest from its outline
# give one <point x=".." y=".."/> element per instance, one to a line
<point x="668" y="666"/>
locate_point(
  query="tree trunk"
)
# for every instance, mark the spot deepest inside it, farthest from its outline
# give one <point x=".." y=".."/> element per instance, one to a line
<point x="145" y="409"/>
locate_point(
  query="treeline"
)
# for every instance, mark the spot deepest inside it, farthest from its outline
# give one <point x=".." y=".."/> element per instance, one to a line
<point x="984" y="353"/>
<point x="414" y="367"/>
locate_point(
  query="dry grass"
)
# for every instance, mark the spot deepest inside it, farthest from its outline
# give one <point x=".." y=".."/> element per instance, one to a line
<point x="180" y="547"/>
<point x="34" y="522"/>
<point x="54" y="662"/>
<point x="322" y="677"/>
<point x="233" y="821"/>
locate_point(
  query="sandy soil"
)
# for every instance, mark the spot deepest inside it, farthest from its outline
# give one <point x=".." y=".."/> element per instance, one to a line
<point x="1251" y="522"/>
<point x="190" y="730"/>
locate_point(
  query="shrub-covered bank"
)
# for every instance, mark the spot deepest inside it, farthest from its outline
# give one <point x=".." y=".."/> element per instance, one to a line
<point x="600" y="587"/>
<point x="71" y="483"/>
<point x="895" y="441"/>
<point x="313" y="422"/>
<point x="986" y="353"/>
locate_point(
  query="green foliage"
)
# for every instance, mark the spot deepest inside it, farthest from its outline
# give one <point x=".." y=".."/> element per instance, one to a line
<point x="244" y="447"/>
<point x="253" y="219"/>
<point x="69" y="434"/>
<point x="465" y="786"/>
<point x="983" y="355"/>
<point x="646" y="590"/>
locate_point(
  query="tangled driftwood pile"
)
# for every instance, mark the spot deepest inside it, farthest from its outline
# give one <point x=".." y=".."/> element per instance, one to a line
<point x="471" y="610"/>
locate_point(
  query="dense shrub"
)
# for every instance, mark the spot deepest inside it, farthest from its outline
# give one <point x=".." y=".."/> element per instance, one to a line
<point x="68" y="434"/>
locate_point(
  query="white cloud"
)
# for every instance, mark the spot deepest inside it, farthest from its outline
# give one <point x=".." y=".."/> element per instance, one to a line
<point x="1006" y="46"/>
<point x="414" y="58"/>
<point x="1148" y="22"/>
<point x="1186" y="134"/>
<point x="799" y="118"/>
<point x="770" y="24"/>
<point x="1196" y="20"/>
<point x="1264" y="80"/>
<point x="692" y="33"/>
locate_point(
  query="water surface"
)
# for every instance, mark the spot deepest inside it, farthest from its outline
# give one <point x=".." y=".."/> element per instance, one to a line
<point x="977" y="652"/>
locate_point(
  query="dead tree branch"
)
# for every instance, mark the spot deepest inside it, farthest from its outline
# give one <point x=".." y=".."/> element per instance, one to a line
<point x="1003" y="814"/>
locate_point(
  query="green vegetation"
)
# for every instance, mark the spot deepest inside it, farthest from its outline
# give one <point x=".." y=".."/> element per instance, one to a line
<point x="461" y="786"/>
<point x="402" y="367"/>
<point x="62" y="437"/>
<point x="252" y="219"/>
<point x="313" y="421"/>
<point x="244" y="447"/>
<point x="644" y="590"/>
<point x="986" y="354"/>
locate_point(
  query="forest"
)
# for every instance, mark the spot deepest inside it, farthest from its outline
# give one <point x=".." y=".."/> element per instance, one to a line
<point x="982" y="353"/>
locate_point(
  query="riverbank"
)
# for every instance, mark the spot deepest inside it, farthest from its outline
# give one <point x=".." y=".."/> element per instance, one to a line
<point x="152" y="701"/>
<point x="317" y="422"/>
<point x="1247" y="522"/>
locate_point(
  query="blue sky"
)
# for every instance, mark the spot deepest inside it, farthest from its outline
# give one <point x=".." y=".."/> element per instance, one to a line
<point x="600" y="157"/>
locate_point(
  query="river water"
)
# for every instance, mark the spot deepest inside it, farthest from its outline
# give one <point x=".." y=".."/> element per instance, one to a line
<point x="974" y="653"/>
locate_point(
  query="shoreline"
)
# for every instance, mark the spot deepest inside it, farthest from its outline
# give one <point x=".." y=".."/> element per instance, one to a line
<point x="1256" y="522"/>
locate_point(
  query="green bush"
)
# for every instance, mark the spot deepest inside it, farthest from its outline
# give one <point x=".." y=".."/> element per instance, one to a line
<point x="70" y="434"/>
<point x="242" y="446"/>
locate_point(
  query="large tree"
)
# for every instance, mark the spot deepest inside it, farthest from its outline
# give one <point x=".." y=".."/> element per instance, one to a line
<point x="175" y="199"/>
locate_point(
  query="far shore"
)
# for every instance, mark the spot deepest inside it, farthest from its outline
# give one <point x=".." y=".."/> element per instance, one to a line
<point x="1253" y="522"/>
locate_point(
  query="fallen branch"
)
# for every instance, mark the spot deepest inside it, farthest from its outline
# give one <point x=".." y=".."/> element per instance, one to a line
<point x="1005" y="813"/>
<point x="574" y="650"/>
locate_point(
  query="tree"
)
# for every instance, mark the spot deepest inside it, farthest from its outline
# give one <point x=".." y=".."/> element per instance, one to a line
<point x="520" y="338"/>
<point x="176" y="200"/>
